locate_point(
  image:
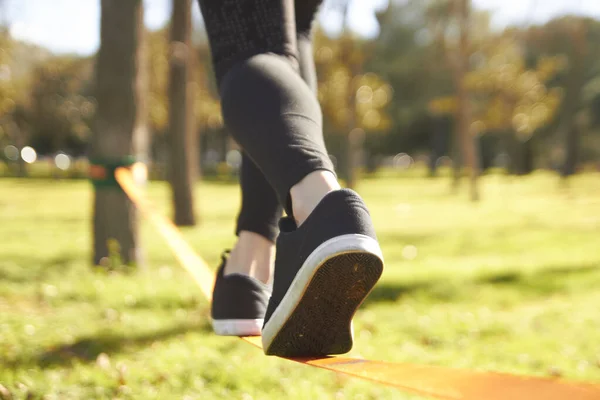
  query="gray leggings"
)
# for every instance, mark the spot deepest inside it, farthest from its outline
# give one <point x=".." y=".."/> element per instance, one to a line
<point x="262" y="56"/>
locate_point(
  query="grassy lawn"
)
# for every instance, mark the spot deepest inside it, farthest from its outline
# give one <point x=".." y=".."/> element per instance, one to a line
<point x="511" y="284"/>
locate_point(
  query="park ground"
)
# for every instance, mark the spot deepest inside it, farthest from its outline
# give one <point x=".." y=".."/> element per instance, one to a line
<point x="511" y="284"/>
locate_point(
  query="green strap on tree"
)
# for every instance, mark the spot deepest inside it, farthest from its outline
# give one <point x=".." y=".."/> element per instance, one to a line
<point x="102" y="170"/>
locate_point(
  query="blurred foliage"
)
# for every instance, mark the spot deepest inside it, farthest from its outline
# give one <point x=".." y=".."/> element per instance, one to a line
<point x="518" y="81"/>
<point x="7" y="90"/>
<point x="506" y="95"/>
<point x="158" y="44"/>
<point x="207" y="108"/>
<point x="62" y="108"/>
<point x="337" y="60"/>
<point x="577" y="41"/>
<point x="398" y="88"/>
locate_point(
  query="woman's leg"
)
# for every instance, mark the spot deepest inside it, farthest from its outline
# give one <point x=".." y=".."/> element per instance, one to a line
<point x="260" y="210"/>
<point x="328" y="258"/>
<point x="306" y="11"/>
<point x="267" y="107"/>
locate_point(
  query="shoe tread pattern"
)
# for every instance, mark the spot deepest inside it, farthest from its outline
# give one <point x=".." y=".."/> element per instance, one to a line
<point x="321" y="321"/>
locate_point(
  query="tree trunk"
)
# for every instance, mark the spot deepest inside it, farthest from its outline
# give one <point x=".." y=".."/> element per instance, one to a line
<point x="182" y="135"/>
<point x="457" y="157"/>
<point x="354" y="135"/>
<point x="19" y="140"/>
<point x="439" y="144"/>
<point x="522" y="157"/>
<point x="356" y="139"/>
<point x="19" y="128"/>
<point x="353" y="143"/>
<point x="569" y="128"/>
<point x="467" y="140"/>
<point x="120" y="126"/>
<point x="571" y="151"/>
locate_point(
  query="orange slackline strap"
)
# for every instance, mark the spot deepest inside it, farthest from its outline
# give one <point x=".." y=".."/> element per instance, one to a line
<point x="437" y="382"/>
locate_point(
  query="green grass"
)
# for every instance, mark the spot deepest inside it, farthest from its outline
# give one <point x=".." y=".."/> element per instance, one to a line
<point x="510" y="284"/>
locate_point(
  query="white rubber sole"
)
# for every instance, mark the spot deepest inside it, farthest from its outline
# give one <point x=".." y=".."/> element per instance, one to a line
<point x="333" y="247"/>
<point x="237" y="327"/>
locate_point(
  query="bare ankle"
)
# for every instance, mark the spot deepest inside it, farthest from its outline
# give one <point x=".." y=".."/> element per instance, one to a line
<point x="307" y="193"/>
<point x="252" y="255"/>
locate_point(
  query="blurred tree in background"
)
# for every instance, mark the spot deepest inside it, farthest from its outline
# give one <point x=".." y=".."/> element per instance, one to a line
<point x="182" y="136"/>
<point x="512" y="100"/>
<point x="509" y="99"/>
<point x="206" y="112"/>
<point x="61" y="105"/>
<point x="353" y="102"/>
<point x="7" y="90"/>
<point x="532" y="94"/>
<point x="17" y="63"/>
<point x="573" y="135"/>
<point x="119" y="128"/>
<point x="409" y="59"/>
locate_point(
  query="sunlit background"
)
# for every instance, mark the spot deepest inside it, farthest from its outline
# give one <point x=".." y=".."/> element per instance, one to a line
<point x="471" y="128"/>
<point x="387" y="73"/>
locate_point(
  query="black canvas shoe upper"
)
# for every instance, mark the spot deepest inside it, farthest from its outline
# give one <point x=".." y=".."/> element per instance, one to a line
<point x="341" y="212"/>
<point x="237" y="296"/>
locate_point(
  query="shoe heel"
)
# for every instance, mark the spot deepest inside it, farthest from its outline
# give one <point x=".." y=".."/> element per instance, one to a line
<point x="320" y="322"/>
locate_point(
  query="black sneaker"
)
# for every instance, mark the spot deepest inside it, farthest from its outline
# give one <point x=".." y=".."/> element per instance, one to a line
<point x="323" y="271"/>
<point x="239" y="303"/>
